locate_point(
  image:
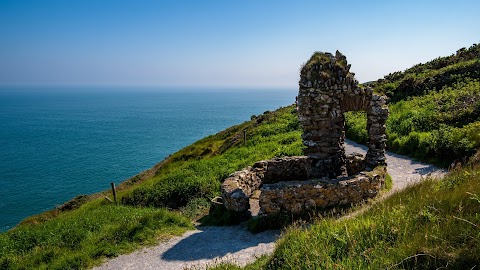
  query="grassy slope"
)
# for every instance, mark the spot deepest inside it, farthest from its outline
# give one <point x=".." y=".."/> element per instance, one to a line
<point x="76" y="239"/>
<point x="431" y="76"/>
<point x="435" y="116"/>
<point x="198" y="176"/>
<point x="434" y="109"/>
<point x="96" y="228"/>
<point x="427" y="226"/>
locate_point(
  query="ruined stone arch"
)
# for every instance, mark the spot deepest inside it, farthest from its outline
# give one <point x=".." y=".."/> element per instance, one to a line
<point x="324" y="177"/>
<point x="327" y="90"/>
<point x="374" y="107"/>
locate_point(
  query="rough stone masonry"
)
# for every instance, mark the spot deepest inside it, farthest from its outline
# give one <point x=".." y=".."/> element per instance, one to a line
<point x="327" y="91"/>
<point x="325" y="176"/>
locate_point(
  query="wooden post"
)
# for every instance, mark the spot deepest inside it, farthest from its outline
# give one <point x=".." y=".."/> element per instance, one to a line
<point x="114" y="192"/>
<point x="245" y="136"/>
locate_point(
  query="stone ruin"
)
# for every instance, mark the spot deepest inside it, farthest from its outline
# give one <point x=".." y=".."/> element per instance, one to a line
<point x="325" y="177"/>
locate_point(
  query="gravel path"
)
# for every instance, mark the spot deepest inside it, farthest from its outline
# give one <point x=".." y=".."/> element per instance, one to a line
<point x="209" y="245"/>
<point x="200" y="248"/>
<point x="403" y="170"/>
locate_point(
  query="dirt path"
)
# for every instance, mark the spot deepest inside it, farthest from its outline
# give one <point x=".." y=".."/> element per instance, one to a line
<point x="209" y="245"/>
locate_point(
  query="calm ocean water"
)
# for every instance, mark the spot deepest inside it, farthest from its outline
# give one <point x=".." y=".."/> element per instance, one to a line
<point x="59" y="143"/>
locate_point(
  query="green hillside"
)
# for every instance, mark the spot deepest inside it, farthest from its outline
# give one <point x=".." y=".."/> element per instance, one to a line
<point x="435" y="116"/>
<point x="89" y="228"/>
<point x="427" y="226"/>
<point x="432" y="225"/>
<point x="434" y="75"/>
<point x="434" y="109"/>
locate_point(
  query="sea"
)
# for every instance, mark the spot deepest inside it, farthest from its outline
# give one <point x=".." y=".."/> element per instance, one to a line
<point x="60" y="142"/>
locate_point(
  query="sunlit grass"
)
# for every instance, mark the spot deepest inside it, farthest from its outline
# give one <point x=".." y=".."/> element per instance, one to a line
<point x="78" y="239"/>
<point x="96" y="229"/>
<point x="429" y="225"/>
<point x="438" y="127"/>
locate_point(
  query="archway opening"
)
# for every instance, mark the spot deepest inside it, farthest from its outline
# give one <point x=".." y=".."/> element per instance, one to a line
<point x="356" y="126"/>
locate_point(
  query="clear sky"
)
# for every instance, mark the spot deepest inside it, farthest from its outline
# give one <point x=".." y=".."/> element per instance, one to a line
<point x="229" y="43"/>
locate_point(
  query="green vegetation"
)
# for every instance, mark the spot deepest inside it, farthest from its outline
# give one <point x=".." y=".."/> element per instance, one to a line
<point x="435" y="116"/>
<point x="258" y="264"/>
<point x="356" y="126"/>
<point x="432" y="76"/>
<point x="190" y="177"/>
<point x="434" y="109"/>
<point x="320" y="58"/>
<point x="85" y="230"/>
<point x="77" y="239"/>
<point x="431" y="225"/>
<point x="438" y="127"/>
<point x="433" y="128"/>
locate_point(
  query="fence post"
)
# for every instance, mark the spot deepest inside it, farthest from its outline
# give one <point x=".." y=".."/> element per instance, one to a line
<point x="245" y="136"/>
<point x="114" y="192"/>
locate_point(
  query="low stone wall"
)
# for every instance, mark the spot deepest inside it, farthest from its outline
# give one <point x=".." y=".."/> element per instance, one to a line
<point x="285" y="169"/>
<point x="297" y="196"/>
<point x="289" y="173"/>
<point x="240" y="185"/>
<point x="355" y="163"/>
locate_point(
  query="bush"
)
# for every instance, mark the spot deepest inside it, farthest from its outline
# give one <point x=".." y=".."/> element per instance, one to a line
<point x="439" y="127"/>
<point x="356" y="126"/>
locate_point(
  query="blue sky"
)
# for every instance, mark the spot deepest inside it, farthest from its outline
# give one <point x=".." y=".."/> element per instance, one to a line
<point x="220" y="43"/>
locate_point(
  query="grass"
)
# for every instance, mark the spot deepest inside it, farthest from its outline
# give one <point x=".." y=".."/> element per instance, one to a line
<point x="430" y="225"/>
<point x="438" y="127"/>
<point x="88" y="229"/>
<point x="319" y="59"/>
<point x="434" y="109"/>
<point x="432" y="76"/>
<point x="258" y="264"/>
<point x="79" y="239"/>
<point x="193" y="177"/>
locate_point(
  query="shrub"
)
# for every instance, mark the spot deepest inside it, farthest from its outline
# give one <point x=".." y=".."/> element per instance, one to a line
<point x="356" y="126"/>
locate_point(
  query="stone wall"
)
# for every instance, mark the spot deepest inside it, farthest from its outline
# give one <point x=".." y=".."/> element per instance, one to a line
<point x="240" y="185"/>
<point x="327" y="90"/>
<point x="297" y="196"/>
